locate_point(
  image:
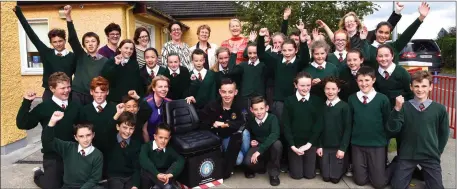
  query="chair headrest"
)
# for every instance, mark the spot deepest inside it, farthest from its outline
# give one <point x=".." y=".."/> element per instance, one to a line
<point x="181" y="116"/>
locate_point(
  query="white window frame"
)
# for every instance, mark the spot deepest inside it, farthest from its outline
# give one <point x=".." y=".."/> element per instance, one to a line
<point x="152" y="39"/>
<point x="25" y="70"/>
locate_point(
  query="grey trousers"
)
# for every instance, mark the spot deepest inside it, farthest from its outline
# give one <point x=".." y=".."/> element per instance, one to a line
<point x="404" y="172"/>
<point x="52" y="178"/>
<point x="271" y="157"/>
<point x="120" y="183"/>
<point x="331" y="167"/>
<point x="369" y="165"/>
<point x="304" y="165"/>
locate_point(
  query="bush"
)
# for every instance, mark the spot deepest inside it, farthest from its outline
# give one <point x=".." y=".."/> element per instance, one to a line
<point x="447" y="46"/>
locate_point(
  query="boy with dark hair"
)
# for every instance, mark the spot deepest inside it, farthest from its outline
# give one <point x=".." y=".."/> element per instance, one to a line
<point x="265" y="146"/>
<point x="56" y="59"/>
<point x="423" y="126"/>
<point x="369" y="138"/>
<point x="123" y="168"/>
<point x="160" y="163"/>
<point x="59" y="84"/>
<point x="113" y="33"/>
<point x="83" y="162"/>
<point x="88" y="64"/>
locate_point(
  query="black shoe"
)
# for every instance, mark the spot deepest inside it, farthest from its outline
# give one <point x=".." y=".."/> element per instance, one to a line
<point x="326" y="179"/>
<point x="37" y="171"/>
<point x="249" y="174"/>
<point x="274" y="180"/>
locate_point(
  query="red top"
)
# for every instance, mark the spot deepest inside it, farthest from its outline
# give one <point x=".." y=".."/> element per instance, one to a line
<point x="239" y="54"/>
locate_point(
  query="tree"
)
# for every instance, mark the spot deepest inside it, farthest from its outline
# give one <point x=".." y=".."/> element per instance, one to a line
<point x="447" y="46"/>
<point x="270" y="14"/>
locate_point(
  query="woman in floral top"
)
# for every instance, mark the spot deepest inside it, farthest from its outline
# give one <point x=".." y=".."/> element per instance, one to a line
<point x="176" y="45"/>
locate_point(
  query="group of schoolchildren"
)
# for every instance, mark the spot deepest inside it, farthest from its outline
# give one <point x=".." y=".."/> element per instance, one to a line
<point x="319" y="106"/>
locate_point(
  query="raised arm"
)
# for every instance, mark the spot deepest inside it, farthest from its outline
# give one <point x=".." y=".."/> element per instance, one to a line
<point x="285" y="21"/>
<point x="40" y="46"/>
<point x="110" y="67"/>
<point x="406" y="36"/>
<point x="329" y="32"/>
<point x="48" y="139"/>
<point x="393" y="20"/>
<point x="72" y="36"/>
<point x="269" y="60"/>
<point x="24" y="119"/>
<point x="304" y="52"/>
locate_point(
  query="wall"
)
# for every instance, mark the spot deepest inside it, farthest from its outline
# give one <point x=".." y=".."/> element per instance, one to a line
<point x="158" y="23"/>
<point x="11" y="90"/>
<point x="219" y="30"/>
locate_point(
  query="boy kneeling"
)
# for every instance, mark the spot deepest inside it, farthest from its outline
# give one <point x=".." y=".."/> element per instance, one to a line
<point x="82" y="162"/>
<point x="265" y="146"/>
<point x="160" y="163"/>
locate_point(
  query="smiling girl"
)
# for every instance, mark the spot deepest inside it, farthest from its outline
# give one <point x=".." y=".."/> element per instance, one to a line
<point x="152" y="69"/>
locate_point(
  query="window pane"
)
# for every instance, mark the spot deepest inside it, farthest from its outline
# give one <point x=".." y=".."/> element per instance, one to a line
<point x="33" y="57"/>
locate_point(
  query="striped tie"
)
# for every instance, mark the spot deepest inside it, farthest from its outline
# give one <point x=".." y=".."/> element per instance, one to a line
<point x="422" y="107"/>
<point x="123" y="144"/>
<point x="100" y="108"/>
<point x="365" y="98"/>
<point x="83" y="153"/>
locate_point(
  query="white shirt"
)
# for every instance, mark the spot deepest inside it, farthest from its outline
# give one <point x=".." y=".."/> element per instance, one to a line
<point x="202" y="72"/>
<point x="59" y="102"/>
<point x="337" y="54"/>
<point x="291" y="61"/>
<point x="221" y="68"/>
<point x="389" y="69"/>
<point x="370" y="95"/>
<point x="171" y="71"/>
<point x="375" y="44"/>
<point x="102" y="105"/>
<point x="263" y="120"/>
<point x="335" y="101"/>
<point x="255" y="63"/>
<point x="64" y="52"/>
<point x="299" y="96"/>
<point x="87" y="151"/>
<point x="314" y="64"/>
<point x="154" y="146"/>
<point x="155" y="69"/>
<point x="267" y="47"/>
<point x="124" y="61"/>
<point x="354" y="72"/>
<point x="211" y="53"/>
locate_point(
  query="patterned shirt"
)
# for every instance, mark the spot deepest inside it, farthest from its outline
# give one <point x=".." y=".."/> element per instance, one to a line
<point x="140" y="57"/>
<point x="106" y="52"/>
<point x="183" y="52"/>
<point x="239" y="54"/>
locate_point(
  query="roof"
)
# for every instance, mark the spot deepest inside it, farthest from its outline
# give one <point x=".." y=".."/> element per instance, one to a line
<point x="195" y="9"/>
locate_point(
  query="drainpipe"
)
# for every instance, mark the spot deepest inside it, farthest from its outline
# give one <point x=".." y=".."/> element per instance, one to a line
<point x="127" y="20"/>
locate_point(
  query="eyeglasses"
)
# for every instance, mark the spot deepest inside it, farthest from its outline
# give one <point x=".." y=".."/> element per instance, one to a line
<point x="176" y="30"/>
<point x="349" y="22"/>
<point x="114" y="34"/>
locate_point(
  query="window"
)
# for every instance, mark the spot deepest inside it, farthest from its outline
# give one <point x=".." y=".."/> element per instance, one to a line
<point x="31" y="63"/>
<point x="151" y="29"/>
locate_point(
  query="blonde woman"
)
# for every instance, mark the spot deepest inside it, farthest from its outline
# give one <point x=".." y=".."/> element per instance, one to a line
<point x="237" y="41"/>
<point x="203" y="33"/>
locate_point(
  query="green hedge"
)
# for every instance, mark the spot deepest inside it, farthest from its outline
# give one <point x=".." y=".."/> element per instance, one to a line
<point x="447" y="46"/>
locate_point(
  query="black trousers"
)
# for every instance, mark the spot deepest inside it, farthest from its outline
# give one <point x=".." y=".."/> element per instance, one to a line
<point x="431" y="170"/>
<point x="271" y="157"/>
<point x="47" y="94"/>
<point x="120" y="183"/>
<point x="369" y="165"/>
<point x="331" y="167"/>
<point x="81" y="98"/>
<point x="53" y="174"/>
<point x="304" y="165"/>
<point x="149" y="180"/>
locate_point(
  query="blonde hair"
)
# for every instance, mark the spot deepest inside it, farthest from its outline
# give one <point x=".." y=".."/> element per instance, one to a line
<point x="320" y="44"/>
<point x="234" y="20"/>
<point x="155" y="80"/>
<point x="356" y="18"/>
<point x="219" y="50"/>
<point x="204" y="26"/>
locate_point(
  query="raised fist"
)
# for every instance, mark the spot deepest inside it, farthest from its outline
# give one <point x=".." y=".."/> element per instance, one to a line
<point x="56" y="117"/>
<point x="30" y="95"/>
<point x="399" y="102"/>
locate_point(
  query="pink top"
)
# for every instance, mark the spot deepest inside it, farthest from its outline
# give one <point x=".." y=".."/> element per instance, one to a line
<point x="239" y="54"/>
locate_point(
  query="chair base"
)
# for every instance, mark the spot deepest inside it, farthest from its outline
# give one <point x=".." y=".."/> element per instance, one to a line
<point x="202" y="168"/>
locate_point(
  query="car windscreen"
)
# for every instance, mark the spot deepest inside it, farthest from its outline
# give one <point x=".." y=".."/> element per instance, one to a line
<point x="424" y="46"/>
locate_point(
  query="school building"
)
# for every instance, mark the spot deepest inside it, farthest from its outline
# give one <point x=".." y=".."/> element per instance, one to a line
<point x="20" y="74"/>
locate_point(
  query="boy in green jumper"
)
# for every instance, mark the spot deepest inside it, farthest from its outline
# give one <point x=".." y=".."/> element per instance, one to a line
<point x="160" y="163"/>
<point x="179" y="77"/>
<point x="423" y="126"/>
<point x="82" y="162"/>
<point x="370" y="111"/>
<point x="59" y="84"/>
<point x="265" y="146"/>
<point x="56" y="59"/>
<point x="88" y="64"/>
<point x="122" y="156"/>
<point x="203" y="82"/>
<point x="336" y="132"/>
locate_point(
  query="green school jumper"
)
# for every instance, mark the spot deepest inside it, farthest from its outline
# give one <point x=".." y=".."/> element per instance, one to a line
<point x="329" y="70"/>
<point x="123" y="162"/>
<point x="42" y="113"/>
<point x="351" y="86"/>
<point x="220" y="75"/>
<point x="369" y="120"/>
<point x="83" y="171"/>
<point x="337" y="127"/>
<point x="424" y="133"/>
<point x="302" y="120"/>
<point x="51" y="62"/>
<point x="86" y="67"/>
<point x="331" y="57"/>
<point x="252" y="78"/>
<point x="397" y="84"/>
<point x="266" y="134"/>
<point x="179" y="85"/>
<point x="159" y="162"/>
<point x="284" y="73"/>
<point x="203" y="91"/>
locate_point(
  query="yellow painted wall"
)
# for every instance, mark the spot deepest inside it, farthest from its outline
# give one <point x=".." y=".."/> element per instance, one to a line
<point x="219" y="30"/>
<point x="158" y="23"/>
<point x="11" y="90"/>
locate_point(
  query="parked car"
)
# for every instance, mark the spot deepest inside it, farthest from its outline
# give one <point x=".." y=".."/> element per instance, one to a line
<point x="423" y="50"/>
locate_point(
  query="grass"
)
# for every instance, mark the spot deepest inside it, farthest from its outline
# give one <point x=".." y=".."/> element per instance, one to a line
<point x="392" y="145"/>
<point x="448" y="70"/>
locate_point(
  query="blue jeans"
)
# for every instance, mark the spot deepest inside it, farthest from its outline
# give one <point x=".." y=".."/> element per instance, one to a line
<point x="246" y="143"/>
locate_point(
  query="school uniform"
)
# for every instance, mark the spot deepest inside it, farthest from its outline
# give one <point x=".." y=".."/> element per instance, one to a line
<point x="148" y="74"/>
<point x="83" y="167"/>
<point x="393" y="82"/>
<point x="154" y="161"/>
<point x="424" y="129"/>
<point x="302" y="118"/>
<point x="335" y="136"/>
<point x="52" y="162"/>
<point x="266" y="133"/>
<point x="122" y="160"/>
<point x="326" y="69"/>
<point x="203" y="87"/>
<point x="369" y="139"/>
<point x="87" y="68"/>
<point x="52" y="60"/>
<point x="122" y="78"/>
<point x="350" y="86"/>
<point x="210" y="54"/>
<point x="224" y="73"/>
<point x="338" y="58"/>
<point x="179" y="83"/>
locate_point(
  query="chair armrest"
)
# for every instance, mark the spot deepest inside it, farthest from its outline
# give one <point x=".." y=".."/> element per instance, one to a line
<point x="241" y="129"/>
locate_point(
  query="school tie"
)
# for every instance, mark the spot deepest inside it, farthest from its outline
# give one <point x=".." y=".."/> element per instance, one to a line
<point x="330" y="104"/>
<point x="100" y="108"/>
<point x="251" y="64"/>
<point x="365" y="98"/>
<point x="174" y="74"/>
<point x="260" y="124"/>
<point x="225" y="71"/>
<point x="63" y="106"/>
<point x="386" y="75"/>
<point x="59" y="54"/>
<point x="320" y="67"/>
<point x="341" y="57"/>
<point x="123" y="144"/>
<point x="422" y="107"/>
<point x="94" y="57"/>
<point x="83" y="153"/>
<point x="200" y="76"/>
<point x="303" y="99"/>
<point x="158" y="150"/>
<point x="152" y="74"/>
<point x="354" y="73"/>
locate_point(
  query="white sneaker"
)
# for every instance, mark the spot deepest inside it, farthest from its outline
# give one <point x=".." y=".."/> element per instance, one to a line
<point x="37" y="168"/>
<point x="318" y="171"/>
<point x="349" y="172"/>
